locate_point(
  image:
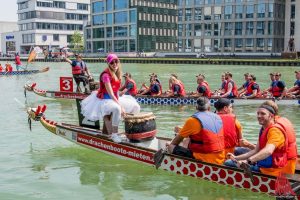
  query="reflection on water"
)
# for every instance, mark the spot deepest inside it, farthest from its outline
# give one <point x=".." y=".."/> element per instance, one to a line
<point x="120" y="179"/>
<point x="40" y="165"/>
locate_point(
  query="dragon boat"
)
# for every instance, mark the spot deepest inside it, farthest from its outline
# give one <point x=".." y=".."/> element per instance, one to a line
<point x="150" y="152"/>
<point x="157" y="100"/>
<point x="25" y="72"/>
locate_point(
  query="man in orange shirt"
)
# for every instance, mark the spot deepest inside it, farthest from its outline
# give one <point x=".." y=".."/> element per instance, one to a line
<point x="205" y="131"/>
<point x="292" y="150"/>
<point x="270" y="154"/>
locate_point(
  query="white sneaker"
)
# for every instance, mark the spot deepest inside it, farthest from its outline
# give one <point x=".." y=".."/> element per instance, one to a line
<point x="116" y="138"/>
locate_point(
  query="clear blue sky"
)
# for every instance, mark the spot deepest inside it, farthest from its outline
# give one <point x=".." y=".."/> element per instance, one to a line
<point x="8" y="11"/>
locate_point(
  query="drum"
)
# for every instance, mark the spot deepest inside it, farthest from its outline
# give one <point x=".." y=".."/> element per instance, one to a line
<point x="140" y="127"/>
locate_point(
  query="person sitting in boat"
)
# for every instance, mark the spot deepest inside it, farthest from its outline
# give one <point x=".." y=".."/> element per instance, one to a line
<point x="230" y="87"/>
<point x="252" y="90"/>
<point x="291" y="135"/>
<point x="18" y="61"/>
<point x="105" y="103"/>
<point x="270" y="154"/>
<point x="267" y="92"/>
<point x="221" y="90"/>
<point x="155" y="88"/>
<point x="8" y="67"/>
<point x="177" y="88"/>
<point x="233" y="137"/>
<point x="294" y="91"/>
<point x="205" y="131"/>
<point x="80" y="73"/>
<point x="203" y="88"/>
<point x="129" y="88"/>
<point x="243" y="88"/>
<point x="277" y="88"/>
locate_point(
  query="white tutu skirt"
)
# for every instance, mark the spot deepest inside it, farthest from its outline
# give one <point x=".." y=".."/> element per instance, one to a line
<point x="94" y="108"/>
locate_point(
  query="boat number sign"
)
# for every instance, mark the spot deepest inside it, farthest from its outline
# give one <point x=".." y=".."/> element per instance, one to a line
<point x="66" y="84"/>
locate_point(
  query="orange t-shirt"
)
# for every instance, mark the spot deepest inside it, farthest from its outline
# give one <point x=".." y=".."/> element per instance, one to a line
<point x="275" y="137"/>
<point x="239" y="129"/>
<point x="191" y="127"/>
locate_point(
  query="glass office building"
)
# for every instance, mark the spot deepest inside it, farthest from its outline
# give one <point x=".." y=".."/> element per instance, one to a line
<point x="132" y="25"/>
<point x="229" y="26"/>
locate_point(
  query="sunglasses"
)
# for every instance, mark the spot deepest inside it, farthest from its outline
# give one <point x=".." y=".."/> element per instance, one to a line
<point x="114" y="62"/>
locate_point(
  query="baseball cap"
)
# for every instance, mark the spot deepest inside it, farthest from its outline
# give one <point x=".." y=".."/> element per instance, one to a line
<point x="111" y="57"/>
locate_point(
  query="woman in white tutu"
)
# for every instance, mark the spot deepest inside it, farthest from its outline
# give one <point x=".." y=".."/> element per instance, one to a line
<point x="105" y="103"/>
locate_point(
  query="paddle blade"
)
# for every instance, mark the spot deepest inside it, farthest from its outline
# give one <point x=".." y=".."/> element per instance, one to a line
<point x="32" y="56"/>
<point x="158" y="158"/>
<point x="247" y="171"/>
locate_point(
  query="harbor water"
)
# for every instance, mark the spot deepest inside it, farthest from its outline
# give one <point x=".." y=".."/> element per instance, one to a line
<point x="39" y="165"/>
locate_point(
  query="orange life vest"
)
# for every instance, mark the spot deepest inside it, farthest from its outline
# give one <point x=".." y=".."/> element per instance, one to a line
<point x="181" y="90"/>
<point x="230" y="132"/>
<point x="132" y="91"/>
<point x="207" y="92"/>
<point x="249" y="89"/>
<point x="278" y="159"/>
<point x="79" y="68"/>
<point x="234" y="88"/>
<point x="115" y="85"/>
<point x="275" y="90"/>
<point x="211" y="137"/>
<point x="1" y="69"/>
<point x="291" y="136"/>
<point x="8" y="68"/>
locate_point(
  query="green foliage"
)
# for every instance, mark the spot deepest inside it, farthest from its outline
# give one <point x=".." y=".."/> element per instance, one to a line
<point x="77" y="42"/>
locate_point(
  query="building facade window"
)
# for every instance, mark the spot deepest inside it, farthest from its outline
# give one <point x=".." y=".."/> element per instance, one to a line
<point x="28" y="38"/>
<point x="98" y="7"/>
<point x="120" y="4"/>
<point x="98" y="20"/>
<point x="82" y="6"/>
<point x="55" y="37"/>
<point x="121" y="17"/>
<point x="120" y="31"/>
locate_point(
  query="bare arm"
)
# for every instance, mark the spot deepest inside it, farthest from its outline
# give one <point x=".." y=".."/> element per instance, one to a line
<point x="122" y="92"/>
<point x="263" y="154"/>
<point x="228" y="90"/>
<point x="68" y="60"/>
<point x="252" y="96"/>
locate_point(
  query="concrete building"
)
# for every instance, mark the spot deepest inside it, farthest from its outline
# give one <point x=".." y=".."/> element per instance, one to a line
<point x="132" y="25"/>
<point x="50" y="23"/>
<point x="4" y="28"/>
<point x="231" y="26"/>
<point x="292" y="25"/>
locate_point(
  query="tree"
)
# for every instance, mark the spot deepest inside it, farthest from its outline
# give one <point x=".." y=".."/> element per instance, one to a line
<point x="77" y="42"/>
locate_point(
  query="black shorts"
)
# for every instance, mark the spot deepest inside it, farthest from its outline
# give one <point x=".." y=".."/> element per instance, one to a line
<point x="80" y="78"/>
<point x="181" y="151"/>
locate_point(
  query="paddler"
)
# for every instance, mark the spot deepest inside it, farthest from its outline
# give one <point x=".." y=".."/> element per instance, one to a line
<point x="270" y="155"/>
<point x="8" y="67"/>
<point x="177" y="88"/>
<point x="80" y="72"/>
<point x="205" y="131"/>
<point x="154" y="89"/>
<point x="129" y="87"/>
<point x="252" y="89"/>
<point x="230" y="87"/>
<point x="233" y="136"/>
<point x="294" y="91"/>
<point x="203" y="88"/>
<point x="18" y="61"/>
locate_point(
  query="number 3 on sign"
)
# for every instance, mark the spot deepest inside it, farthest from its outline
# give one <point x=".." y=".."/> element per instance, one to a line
<point x="66" y="84"/>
